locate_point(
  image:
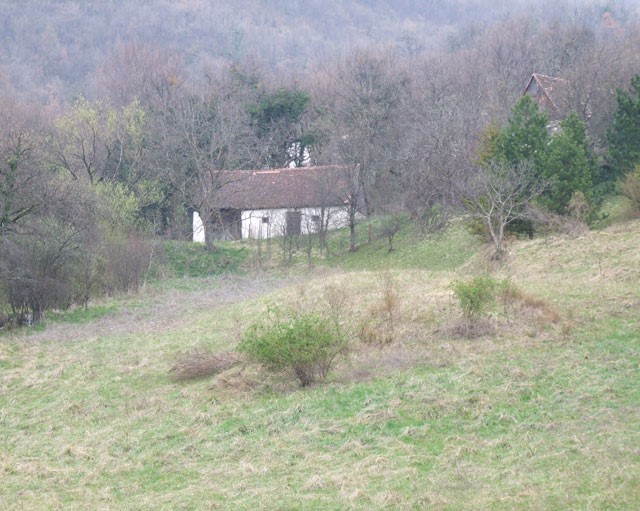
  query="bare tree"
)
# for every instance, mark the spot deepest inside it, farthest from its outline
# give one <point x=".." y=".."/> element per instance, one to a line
<point x="364" y="95"/>
<point x="498" y="195"/>
<point x="331" y="188"/>
<point x="22" y="182"/>
<point x="208" y="134"/>
<point x="143" y="72"/>
<point x="439" y="126"/>
<point x="98" y="142"/>
<point x="40" y="259"/>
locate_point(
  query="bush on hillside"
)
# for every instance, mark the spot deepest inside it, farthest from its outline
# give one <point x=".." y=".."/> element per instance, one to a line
<point x="475" y="296"/>
<point x="630" y="188"/>
<point x="304" y="344"/>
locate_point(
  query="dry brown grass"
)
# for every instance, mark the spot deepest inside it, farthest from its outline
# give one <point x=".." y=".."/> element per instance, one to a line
<point x="200" y="363"/>
<point x="470" y="328"/>
<point x="525" y="306"/>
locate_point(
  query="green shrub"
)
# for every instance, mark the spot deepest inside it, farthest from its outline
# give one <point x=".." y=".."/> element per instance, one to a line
<point x="629" y="186"/>
<point x="476" y="296"/>
<point x="305" y="344"/>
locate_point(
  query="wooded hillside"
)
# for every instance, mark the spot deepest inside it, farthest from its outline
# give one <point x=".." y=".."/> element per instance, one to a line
<point x="120" y="118"/>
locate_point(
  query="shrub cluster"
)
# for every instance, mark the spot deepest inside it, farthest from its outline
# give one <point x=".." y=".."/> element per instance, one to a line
<point x="304" y="344"/>
<point x="477" y="296"/>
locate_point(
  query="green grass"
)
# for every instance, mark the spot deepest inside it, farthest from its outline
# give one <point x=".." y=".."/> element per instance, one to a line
<point x="615" y="208"/>
<point x="82" y="315"/>
<point x="411" y="249"/>
<point x="186" y="259"/>
<point x="540" y="415"/>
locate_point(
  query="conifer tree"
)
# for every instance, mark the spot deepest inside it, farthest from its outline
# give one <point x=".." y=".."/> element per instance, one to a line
<point x="569" y="165"/>
<point x="624" y="134"/>
<point x="525" y="137"/>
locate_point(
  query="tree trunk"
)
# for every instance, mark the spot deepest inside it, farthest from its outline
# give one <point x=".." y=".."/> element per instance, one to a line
<point x="352" y="236"/>
<point x="209" y="235"/>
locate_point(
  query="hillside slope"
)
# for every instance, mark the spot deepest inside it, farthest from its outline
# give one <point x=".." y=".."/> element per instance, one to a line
<point x="542" y="412"/>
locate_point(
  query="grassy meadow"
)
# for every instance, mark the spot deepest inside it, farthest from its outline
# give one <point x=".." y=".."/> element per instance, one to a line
<point x="541" y="411"/>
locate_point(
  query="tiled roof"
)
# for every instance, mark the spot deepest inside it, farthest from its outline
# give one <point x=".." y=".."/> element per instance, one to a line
<point x="555" y="90"/>
<point x="284" y="188"/>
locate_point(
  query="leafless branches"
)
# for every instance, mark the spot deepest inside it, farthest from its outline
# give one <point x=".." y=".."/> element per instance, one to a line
<point x="498" y="195"/>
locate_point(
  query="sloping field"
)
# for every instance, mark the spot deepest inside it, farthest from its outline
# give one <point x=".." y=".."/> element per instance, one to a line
<point x="542" y="412"/>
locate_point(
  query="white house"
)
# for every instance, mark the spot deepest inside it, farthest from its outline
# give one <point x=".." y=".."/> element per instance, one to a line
<point x="277" y="202"/>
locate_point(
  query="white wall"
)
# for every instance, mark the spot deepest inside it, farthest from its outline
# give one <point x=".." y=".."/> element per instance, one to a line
<point x="198" y="228"/>
<point x="254" y="227"/>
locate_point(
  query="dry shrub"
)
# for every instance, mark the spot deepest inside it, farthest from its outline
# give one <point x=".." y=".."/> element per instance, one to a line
<point x="127" y="259"/>
<point x="376" y="332"/>
<point x="470" y="328"/>
<point x="550" y="223"/>
<point x="579" y="207"/>
<point x="517" y="302"/>
<point x="200" y="363"/>
<point x="390" y="298"/>
<point x="337" y="300"/>
<point x="630" y="187"/>
<point x="520" y="307"/>
<point x="380" y="328"/>
<point x="236" y="379"/>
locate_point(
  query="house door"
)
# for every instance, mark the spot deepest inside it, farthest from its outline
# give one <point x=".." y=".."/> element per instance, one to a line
<point x="294" y="223"/>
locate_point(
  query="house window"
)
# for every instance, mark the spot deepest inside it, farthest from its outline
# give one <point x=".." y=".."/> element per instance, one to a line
<point x="265" y="219"/>
<point x="315" y="219"/>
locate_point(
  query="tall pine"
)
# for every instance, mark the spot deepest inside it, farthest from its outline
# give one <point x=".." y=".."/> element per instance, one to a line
<point x="525" y="137"/>
<point x="624" y="134"/>
<point x="569" y="165"/>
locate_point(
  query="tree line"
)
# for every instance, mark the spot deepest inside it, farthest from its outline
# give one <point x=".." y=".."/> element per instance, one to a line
<point x="88" y="186"/>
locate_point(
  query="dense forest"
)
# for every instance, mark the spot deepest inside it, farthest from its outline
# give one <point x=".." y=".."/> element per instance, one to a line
<point x="118" y="118"/>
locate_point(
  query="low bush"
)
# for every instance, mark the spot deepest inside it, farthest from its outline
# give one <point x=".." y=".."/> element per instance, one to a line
<point x="475" y="296"/>
<point x="302" y="343"/>
<point x="127" y="257"/>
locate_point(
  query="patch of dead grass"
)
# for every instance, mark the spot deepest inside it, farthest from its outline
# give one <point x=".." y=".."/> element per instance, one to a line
<point x="201" y="363"/>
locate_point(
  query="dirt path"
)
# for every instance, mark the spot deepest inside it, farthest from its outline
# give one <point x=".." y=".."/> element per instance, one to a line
<point x="155" y="309"/>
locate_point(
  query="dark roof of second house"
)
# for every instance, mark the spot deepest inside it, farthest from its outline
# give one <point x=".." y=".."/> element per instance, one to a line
<point x="285" y="188"/>
<point x="550" y="92"/>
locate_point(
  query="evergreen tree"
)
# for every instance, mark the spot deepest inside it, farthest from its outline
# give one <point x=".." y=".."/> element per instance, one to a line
<point x="624" y="134"/>
<point x="564" y="163"/>
<point x="525" y="137"/>
<point x="569" y="165"/>
<point x="279" y="123"/>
